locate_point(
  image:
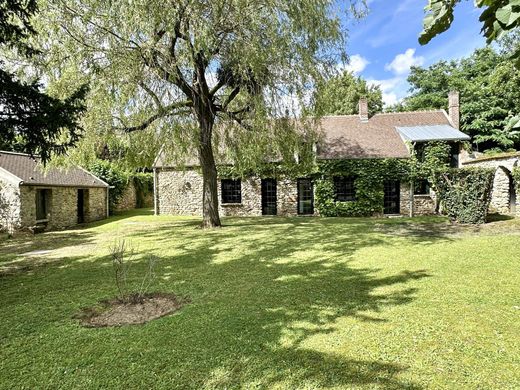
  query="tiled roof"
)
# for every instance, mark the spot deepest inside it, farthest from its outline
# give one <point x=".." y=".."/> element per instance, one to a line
<point x="30" y="172"/>
<point x="348" y="137"/>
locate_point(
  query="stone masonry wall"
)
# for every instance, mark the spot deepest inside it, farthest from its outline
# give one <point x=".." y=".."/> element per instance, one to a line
<point x="9" y="206"/>
<point x="503" y="196"/>
<point x="180" y="193"/>
<point x="128" y="200"/>
<point x="62" y="206"/>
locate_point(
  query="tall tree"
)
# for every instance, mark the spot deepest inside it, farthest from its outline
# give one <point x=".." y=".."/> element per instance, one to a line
<point x="497" y="17"/>
<point x="488" y="83"/>
<point x="340" y="95"/>
<point x="189" y="65"/>
<point x="30" y="120"/>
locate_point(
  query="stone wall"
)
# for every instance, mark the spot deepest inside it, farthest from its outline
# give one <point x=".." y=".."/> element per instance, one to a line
<point x="504" y="199"/>
<point x="9" y="206"/>
<point x="62" y="206"/>
<point x="128" y="200"/>
<point x="180" y="193"/>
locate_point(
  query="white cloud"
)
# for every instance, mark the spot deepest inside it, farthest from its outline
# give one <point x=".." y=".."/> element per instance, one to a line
<point x="402" y="63"/>
<point x="356" y="64"/>
<point x="393" y="89"/>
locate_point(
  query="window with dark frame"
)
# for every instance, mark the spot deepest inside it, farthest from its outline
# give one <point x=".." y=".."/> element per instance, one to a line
<point x="231" y="191"/>
<point x="421" y="187"/>
<point x="344" y="188"/>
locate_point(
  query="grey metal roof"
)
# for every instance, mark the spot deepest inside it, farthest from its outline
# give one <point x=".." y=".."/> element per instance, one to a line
<point x="432" y="133"/>
<point x="29" y="171"/>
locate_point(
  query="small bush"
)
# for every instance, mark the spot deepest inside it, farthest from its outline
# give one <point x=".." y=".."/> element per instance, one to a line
<point x="465" y="193"/>
<point x="122" y="256"/>
<point x="117" y="179"/>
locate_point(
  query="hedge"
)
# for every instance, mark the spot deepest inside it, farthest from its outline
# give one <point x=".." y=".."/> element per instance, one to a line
<point x="465" y="193"/>
<point x="516" y="180"/>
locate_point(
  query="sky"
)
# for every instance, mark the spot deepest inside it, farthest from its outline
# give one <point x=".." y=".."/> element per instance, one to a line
<point x="383" y="46"/>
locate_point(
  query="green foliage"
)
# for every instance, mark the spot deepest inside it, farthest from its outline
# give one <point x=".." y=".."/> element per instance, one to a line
<point x="369" y="175"/>
<point x="489" y="95"/>
<point x="497" y="17"/>
<point x="340" y="96"/>
<point x="465" y="193"/>
<point x="143" y="183"/>
<point x="30" y="120"/>
<point x="516" y="179"/>
<point x="117" y="178"/>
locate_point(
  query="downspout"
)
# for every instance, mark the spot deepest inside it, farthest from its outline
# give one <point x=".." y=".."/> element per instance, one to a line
<point x="107" y="202"/>
<point x="155" y="193"/>
<point x="411" y="198"/>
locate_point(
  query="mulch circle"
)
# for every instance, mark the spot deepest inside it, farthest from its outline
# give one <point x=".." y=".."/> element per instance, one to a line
<point x="116" y="312"/>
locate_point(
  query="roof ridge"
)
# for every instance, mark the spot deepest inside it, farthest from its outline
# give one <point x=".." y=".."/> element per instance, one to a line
<point x="407" y="112"/>
<point x="19" y="154"/>
<point x="337" y="116"/>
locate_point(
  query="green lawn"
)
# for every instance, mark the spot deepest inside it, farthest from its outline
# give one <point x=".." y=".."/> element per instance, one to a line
<point x="276" y="303"/>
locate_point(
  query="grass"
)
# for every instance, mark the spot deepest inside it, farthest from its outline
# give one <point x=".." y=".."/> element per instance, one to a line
<point x="278" y="303"/>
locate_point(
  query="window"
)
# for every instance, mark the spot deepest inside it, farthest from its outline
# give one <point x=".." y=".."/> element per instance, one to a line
<point x="231" y="191"/>
<point x="344" y="188"/>
<point x="454" y="155"/>
<point x="42" y="201"/>
<point x="421" y="187"/>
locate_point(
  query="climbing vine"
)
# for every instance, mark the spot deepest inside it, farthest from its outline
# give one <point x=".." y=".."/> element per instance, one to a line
<point x="516" y="179"/>
<point x="465" y="193"/>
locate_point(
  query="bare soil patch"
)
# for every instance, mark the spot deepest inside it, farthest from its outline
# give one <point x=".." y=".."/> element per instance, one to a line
<point x="116" y="312"/>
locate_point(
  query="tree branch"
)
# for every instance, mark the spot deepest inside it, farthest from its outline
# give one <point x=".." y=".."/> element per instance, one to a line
<point x="167" y="111"/>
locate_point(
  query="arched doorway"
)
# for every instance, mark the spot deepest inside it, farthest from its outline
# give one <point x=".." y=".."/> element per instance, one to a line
<point x="503" y="199"/>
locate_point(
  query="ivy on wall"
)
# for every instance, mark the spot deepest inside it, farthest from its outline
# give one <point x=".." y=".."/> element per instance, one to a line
<point x="516" y="180"/>
<point x="369" y="177"/>
<point x="465" y="193"/>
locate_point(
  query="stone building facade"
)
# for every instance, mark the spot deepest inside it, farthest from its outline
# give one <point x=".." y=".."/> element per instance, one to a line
<point x="178" y="190"/>
<point x="38" y="200"/>
<point x="504" y="199"/>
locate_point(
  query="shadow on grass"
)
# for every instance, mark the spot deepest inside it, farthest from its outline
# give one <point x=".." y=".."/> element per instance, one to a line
<point x="268" y="298"/>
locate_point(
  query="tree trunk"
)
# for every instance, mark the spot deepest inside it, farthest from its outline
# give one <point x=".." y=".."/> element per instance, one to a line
<point x="210" y="214"/>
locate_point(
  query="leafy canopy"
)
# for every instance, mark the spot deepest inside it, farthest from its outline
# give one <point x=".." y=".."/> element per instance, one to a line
<point x="161" y="65"/>
<point x="489" y="95"/>
<point x="497" y="17"/>
<point x="340" y="95"/>
<point x="30" y="120"/>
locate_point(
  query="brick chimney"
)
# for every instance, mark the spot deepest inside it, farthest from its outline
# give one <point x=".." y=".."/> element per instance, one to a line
<point x="363" y="109"/>
<point x="454" y="108"/>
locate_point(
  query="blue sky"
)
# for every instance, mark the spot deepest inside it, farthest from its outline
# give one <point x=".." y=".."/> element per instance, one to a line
<point x="384" y="45"/>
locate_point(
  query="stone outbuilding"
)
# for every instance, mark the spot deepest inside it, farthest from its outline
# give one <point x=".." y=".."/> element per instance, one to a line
<point x="178" y="190"/>
<point x="38" y="199"/>
<point x="504" y="199"/>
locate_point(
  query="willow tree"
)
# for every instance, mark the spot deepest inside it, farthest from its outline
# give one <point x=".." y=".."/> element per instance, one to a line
<point x="191" y="64"/>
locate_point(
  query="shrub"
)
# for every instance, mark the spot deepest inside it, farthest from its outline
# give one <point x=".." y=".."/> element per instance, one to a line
<point x="143" y="183"/>
<point x="122" y="256"/>
<point x="465" y="193"/>
<point x="117" y="178"/>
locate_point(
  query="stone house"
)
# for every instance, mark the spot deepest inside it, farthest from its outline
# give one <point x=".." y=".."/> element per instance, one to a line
<point x="178" y="190"/>
<point x="504" y="199"/>
<point x="38" y="200"/>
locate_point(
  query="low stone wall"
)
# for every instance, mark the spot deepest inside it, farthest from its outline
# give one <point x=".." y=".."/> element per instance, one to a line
<point x="422" y="204"/>
<point x="504" y="199"/>
<point x="128" y="200"/>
